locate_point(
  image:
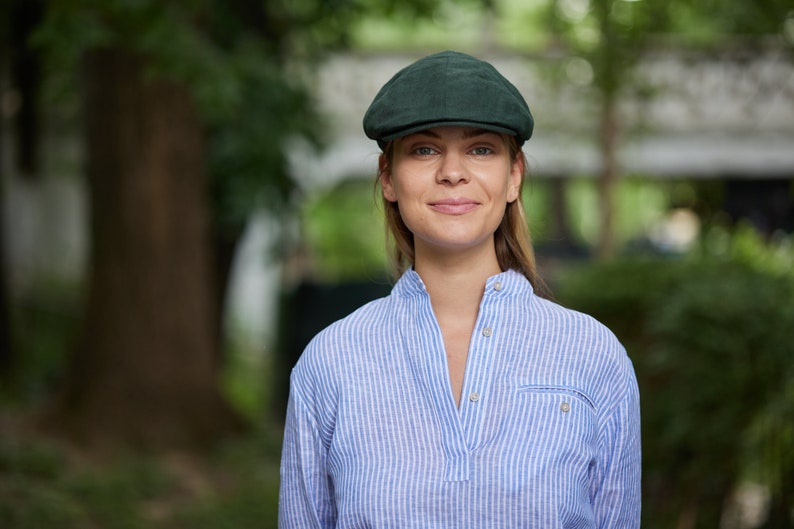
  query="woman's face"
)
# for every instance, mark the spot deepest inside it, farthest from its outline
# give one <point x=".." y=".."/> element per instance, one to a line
<point x="452" y="185"/>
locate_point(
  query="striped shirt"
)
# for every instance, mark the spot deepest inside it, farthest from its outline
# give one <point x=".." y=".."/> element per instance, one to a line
<point x="547" y="433"/>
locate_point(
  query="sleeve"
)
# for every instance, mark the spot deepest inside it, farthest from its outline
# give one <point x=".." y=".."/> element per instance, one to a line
<point x="617" y="492"/>
<point x="306" y="493"/>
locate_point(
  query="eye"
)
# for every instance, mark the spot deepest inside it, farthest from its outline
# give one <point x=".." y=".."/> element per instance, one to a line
<point x="424" y="151"/>
<point x="481" y="151"/>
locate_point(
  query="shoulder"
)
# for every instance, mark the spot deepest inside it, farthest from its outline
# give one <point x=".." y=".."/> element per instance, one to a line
<point x="339" y="346"/>
<point x="554" y="335"/>
<point x="580" y="328"/>
<point x="581" y="348"/>
<point x="366" y="321"/>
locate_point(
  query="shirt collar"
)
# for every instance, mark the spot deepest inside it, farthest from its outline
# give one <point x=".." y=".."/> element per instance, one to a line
<point x="507" y="283"/>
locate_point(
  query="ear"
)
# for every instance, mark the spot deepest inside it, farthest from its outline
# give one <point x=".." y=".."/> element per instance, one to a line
<point x="386" y="184"/>
<point x="515" y="178"/>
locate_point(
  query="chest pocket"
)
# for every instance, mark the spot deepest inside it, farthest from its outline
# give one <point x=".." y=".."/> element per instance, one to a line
<point x="556" y="425"/>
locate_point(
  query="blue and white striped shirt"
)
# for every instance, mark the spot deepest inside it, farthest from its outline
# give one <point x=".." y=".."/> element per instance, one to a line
<point x="547" y="434"/>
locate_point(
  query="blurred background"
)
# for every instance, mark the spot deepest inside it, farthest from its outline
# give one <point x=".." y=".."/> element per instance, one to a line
<point x="187" y="197"/>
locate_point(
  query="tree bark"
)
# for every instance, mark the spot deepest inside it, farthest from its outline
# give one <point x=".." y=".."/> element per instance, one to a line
<point x="7" y="357"/>
<point x="144" y="371"/>
<point x="610" y="69"/>
<point x="608" y="179"/>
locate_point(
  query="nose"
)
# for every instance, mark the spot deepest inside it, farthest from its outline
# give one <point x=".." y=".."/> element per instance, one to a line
<point x="452" y="170"/>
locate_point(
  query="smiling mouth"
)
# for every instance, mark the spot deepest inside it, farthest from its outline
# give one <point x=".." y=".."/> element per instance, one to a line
<point x="454" y="206"/>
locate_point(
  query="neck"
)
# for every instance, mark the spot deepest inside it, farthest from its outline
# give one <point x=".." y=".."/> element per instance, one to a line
<point x="456" y="282"/>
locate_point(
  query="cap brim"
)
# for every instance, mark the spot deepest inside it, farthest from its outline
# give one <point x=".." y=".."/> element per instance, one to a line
<point x="385" y="139"/>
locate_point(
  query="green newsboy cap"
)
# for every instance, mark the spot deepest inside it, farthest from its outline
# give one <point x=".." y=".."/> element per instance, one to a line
<point x="447" y="88"/>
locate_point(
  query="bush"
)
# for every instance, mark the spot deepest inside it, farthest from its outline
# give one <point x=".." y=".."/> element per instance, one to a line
<point x="45" y="485"/>
<point x="712" y="341"/>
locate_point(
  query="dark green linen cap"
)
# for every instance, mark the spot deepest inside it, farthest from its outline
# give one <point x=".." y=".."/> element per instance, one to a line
<point x="447" y="88"/>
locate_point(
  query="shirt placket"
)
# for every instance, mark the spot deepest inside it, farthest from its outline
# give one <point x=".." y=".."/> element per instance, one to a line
<point x="425" y="347"/>
<point x="477" y="395"/>
<point x="460" y="428"/>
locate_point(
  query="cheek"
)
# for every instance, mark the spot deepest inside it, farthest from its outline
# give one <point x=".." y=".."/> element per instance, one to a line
<point x="412" y="217"/>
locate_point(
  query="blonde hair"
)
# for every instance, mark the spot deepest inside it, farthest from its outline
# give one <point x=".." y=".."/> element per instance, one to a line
<point x="512" y="238"/>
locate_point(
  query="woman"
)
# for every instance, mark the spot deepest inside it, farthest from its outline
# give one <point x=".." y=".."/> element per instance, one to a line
<point x="464" y="398"/>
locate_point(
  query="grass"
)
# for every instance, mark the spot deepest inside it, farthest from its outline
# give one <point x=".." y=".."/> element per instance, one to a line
<point x="45" y="485"/>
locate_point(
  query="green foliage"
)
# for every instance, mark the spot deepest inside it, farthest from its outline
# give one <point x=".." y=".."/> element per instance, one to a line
<point x="248" y="495"/>
<point x="639" y="204"/>
<point x="521" y="24"/>
<point x="712" y="339"/>
<point x="434" y="25"/>
<point x="44" y="326"/>
<point x="627" y="27"/>
<point x="611" y="35"/>
<point x="248" y="164"/>
<point x="623" y="27"/>
<point x="723" y="348"/>
<point x="46" y="486"/>
<point x="39" y="490"/>
<point x="712" y="22"/>
<point x="249" y="104"/>
<point x="749" y="248"/>
<point x="35" y="461"/>
<point x="252" y="508"/>
<point x="767" y="449"/>
<point x="321" y="25"/>
<point x="345" y="230"/>
<point x="244" y="377"/>
<point x="166" y="33"/>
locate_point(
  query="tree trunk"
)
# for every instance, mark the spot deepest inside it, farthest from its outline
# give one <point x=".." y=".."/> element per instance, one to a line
<point x="7" y="358"/>
<point x="610" y="69"/>
<point x="607" y="181"/>
<point x="144" y="371"/>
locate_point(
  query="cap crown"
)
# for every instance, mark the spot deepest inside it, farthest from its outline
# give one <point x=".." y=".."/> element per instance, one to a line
<point x="447" y="88"/>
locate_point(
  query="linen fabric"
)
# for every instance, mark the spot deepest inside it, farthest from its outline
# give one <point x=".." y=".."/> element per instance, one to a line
<point x="446" y="89"/>
<point x="547" y="434"/>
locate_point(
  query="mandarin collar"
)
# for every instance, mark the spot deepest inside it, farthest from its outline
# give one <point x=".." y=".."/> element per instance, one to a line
<point x="507" y="283"/>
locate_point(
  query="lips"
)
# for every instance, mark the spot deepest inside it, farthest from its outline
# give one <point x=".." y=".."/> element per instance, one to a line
<point x="454" y="206"/>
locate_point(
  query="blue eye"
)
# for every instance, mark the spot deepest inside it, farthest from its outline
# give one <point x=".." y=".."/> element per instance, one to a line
<point x="481" y="151"/>
<point x="424" y="151"/>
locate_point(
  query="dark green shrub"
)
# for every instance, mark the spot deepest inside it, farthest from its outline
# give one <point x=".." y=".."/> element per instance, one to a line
<point x="712" y="341"/>
<point x="722" y="346"/>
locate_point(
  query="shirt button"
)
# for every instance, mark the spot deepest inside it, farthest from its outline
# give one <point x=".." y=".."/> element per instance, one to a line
<point x="487" y="332"/>
<point x="565" y="407"/>
<point x="497" y="286"/>
<point x="474" y="396"/>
